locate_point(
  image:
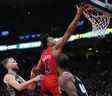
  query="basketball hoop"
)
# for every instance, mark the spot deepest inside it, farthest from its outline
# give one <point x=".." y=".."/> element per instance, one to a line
<point x="99" y="19"/>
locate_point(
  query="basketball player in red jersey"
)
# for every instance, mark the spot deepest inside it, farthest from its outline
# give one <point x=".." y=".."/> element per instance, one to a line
<point x="47" y="63"/>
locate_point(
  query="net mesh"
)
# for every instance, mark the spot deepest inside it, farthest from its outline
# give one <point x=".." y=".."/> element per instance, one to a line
<point x="100" y="20"/>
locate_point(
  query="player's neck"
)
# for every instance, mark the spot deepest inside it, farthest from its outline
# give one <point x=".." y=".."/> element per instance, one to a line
<point x="11" y="71"/>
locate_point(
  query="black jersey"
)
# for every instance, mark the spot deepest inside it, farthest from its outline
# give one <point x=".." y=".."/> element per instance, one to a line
<point x="66" y="76"/>
<point x="81" y="90"/>
<point x="10" y="89"/>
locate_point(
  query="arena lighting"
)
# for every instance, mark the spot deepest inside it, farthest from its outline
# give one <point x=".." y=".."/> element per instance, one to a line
<point x="81" y="23"/>
<point x="20" y="46"/>
<point x="29" y="36"/>
<point x="93" y="34"/>
<point x="29" y="45"/>
<point x="4" y="33"/>
<point x="38" y="43"/>
<point x="11" y="47"/>
<point x="3" y="48"/>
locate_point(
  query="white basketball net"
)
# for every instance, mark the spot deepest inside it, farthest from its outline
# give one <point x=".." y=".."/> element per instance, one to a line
<point x="99" y="20"/>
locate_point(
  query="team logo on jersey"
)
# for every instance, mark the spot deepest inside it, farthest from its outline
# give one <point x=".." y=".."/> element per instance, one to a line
<point x="45" y="57"/>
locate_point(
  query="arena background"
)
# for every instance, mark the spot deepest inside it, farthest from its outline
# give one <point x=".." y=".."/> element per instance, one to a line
<point x="26" y="21"/>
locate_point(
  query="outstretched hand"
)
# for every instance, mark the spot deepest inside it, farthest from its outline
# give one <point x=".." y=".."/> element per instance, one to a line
<point x="80" y="9"/>
<point x="38" y="78"/>
<point x="33" y="73"/>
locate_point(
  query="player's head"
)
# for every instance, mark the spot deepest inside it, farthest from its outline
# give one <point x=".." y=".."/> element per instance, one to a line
<point x="10" y="63"/>
<point x="51" y="41"/>
<point x="63" y="61"/>
<point x="47" y="41"/>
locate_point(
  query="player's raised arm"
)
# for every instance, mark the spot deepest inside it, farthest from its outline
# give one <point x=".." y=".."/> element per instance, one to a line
<point x="71" y="28"/>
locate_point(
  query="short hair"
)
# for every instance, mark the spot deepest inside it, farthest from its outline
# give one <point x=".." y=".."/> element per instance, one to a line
<point x="63" y="61"/>
<point x="4" y="62"/>
<point x="43" y="40"/>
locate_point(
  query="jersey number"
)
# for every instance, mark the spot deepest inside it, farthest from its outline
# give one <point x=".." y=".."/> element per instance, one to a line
<point x="47" y="68"/>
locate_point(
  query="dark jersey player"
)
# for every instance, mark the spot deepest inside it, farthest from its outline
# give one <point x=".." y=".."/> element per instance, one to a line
<point x="69" y="83"/>
<point x="47" y="63"/>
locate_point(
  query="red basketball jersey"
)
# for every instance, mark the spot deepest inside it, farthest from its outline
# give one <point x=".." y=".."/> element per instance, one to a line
<point x="49" y="65"/>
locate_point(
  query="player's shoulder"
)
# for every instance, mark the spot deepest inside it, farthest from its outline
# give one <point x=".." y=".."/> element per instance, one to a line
<point x="8" y="77"/>
<point x="67" y="75"/>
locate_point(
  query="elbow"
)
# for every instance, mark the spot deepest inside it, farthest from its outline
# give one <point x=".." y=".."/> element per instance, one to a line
<point x="20" y="88"/>
<point x="31" y="87"/>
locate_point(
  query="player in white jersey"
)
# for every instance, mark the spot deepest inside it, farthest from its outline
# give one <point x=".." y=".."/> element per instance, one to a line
<point x="12" y="80"/>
